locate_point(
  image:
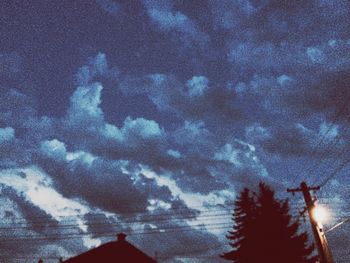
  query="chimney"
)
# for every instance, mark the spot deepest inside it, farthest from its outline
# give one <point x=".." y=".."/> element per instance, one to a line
<point x="121" y="237"/>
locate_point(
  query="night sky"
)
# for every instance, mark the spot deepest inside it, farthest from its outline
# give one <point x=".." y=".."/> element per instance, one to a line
<point x="150" y="116"/>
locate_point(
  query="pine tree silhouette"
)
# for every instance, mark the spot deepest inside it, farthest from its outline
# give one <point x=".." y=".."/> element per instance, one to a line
<point x="263" y="231"/>
<point x="242" y="236"/>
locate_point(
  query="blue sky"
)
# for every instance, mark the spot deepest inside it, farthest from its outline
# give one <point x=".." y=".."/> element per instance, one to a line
<point x="117" y="108"/>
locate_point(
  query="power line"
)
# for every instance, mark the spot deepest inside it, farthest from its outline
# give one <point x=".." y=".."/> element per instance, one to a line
<point x="214" y="226"/>
<point x="337" y="225"/>
<point x="320" y="164"/>
<point x="335" y="119"/>
<point x="162" y="230"/>
<point x="329" y="163"/>
<point x="334" y="173"/>
<point x="104" y="224"/>
<point x="210" y="215"/>
<point x="146" y="214"/>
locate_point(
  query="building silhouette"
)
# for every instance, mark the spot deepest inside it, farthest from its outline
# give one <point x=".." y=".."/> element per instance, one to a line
<point x="120" y="251"/>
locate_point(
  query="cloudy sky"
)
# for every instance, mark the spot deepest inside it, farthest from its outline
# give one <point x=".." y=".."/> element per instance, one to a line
<point x="148" y="117"/>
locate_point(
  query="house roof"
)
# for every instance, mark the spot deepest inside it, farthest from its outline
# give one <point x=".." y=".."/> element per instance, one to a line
<point x="120" y="251"/>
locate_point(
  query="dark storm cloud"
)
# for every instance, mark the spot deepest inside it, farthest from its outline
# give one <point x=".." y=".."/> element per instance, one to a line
<point x="79" y="170"/>
<point x="297" y="140"/>
<point x="28" y="216"/>
<point x="99" y="224"/>
<point x="279" y="21"/>
<point x="174" y="245"/>
<point x="16" y="107"/>
<point x="84" y="127"/>
<point x="328" y="94"/>
<point x="157" y="221"/>
<point x="84" y="130"/>
<point x="12" y="153"/>
<point x="196" y="99"/>
<point x="22" y="128"/>
<point x="22" y="220"/>
<point x="86" y="117"/>
<point x="297" y="42"/>
<point x="102" y="183"/>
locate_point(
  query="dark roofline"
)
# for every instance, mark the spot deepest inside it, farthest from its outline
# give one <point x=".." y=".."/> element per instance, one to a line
<point x="107" y="246"/>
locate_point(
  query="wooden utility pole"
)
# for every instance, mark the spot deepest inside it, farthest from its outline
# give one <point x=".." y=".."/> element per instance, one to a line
<point x="324" y="253"/>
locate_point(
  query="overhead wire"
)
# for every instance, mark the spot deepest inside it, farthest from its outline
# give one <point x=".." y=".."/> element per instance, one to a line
<point x="129" y="215"/>
<point x="335" y="172"/>
<point x="338" y="225"/>
<point x="149" y="220"/>
<point x="160" y="230"/>
<point x="316" y="166"/>
<point x="212" y="226"/>
<point x="97" y="225"/>
<point x="328" y="162"/>
<point x="204" y="215"/>
<point x="323" y="137"/>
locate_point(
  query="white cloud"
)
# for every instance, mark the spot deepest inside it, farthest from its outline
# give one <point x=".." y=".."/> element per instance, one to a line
<point x="284" y="80"/>
<point x="197" y="85"/>
<point x="141" y="127"/>
<point x="244" y="158"/>
<point x="192" y="200"/>
<point x="228" y="153"/>
<point x="168" y="20"/>
<point x="6" y="134"/>
<point x="37" y="188"/>
<point x="112" y="132"/>
<point x="195" y="129"/>
<point x="174" y="153"/>
<point x="256" y="132"/>
<point x="328" y="130"/>
<point x="54" y="149"/>
<point x="85" y="103"/>
<point x="97" y="66"/>
<point x="84" y="157"/>
<point x="315" y="54"/>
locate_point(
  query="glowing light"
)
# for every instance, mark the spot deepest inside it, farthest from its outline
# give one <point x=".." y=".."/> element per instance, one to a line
<point x="320" y="214"/>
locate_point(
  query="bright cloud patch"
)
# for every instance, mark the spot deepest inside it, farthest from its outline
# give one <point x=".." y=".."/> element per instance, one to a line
<point x="197" y="86"/>
<point x="37" y="188"/>
<point x="85" y="102"/>
<point x="54" y="148"/>
<point x="6" y="134"/>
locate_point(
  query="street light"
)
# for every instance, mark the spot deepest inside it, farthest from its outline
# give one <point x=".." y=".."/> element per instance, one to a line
<point x="320" y="214"/>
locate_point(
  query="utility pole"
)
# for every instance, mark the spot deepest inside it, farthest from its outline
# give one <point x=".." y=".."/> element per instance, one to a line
<point x="324" y="253"/>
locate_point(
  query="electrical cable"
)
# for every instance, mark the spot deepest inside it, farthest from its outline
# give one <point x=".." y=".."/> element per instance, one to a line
<point x="336" y="118"/>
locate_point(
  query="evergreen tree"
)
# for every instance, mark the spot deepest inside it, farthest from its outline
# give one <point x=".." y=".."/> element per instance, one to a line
<point x="264" y="231"/>
<point x="242" y="236"/>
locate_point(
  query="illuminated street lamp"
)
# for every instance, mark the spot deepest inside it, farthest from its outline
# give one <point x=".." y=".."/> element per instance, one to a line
<point x="319" y="214"/>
